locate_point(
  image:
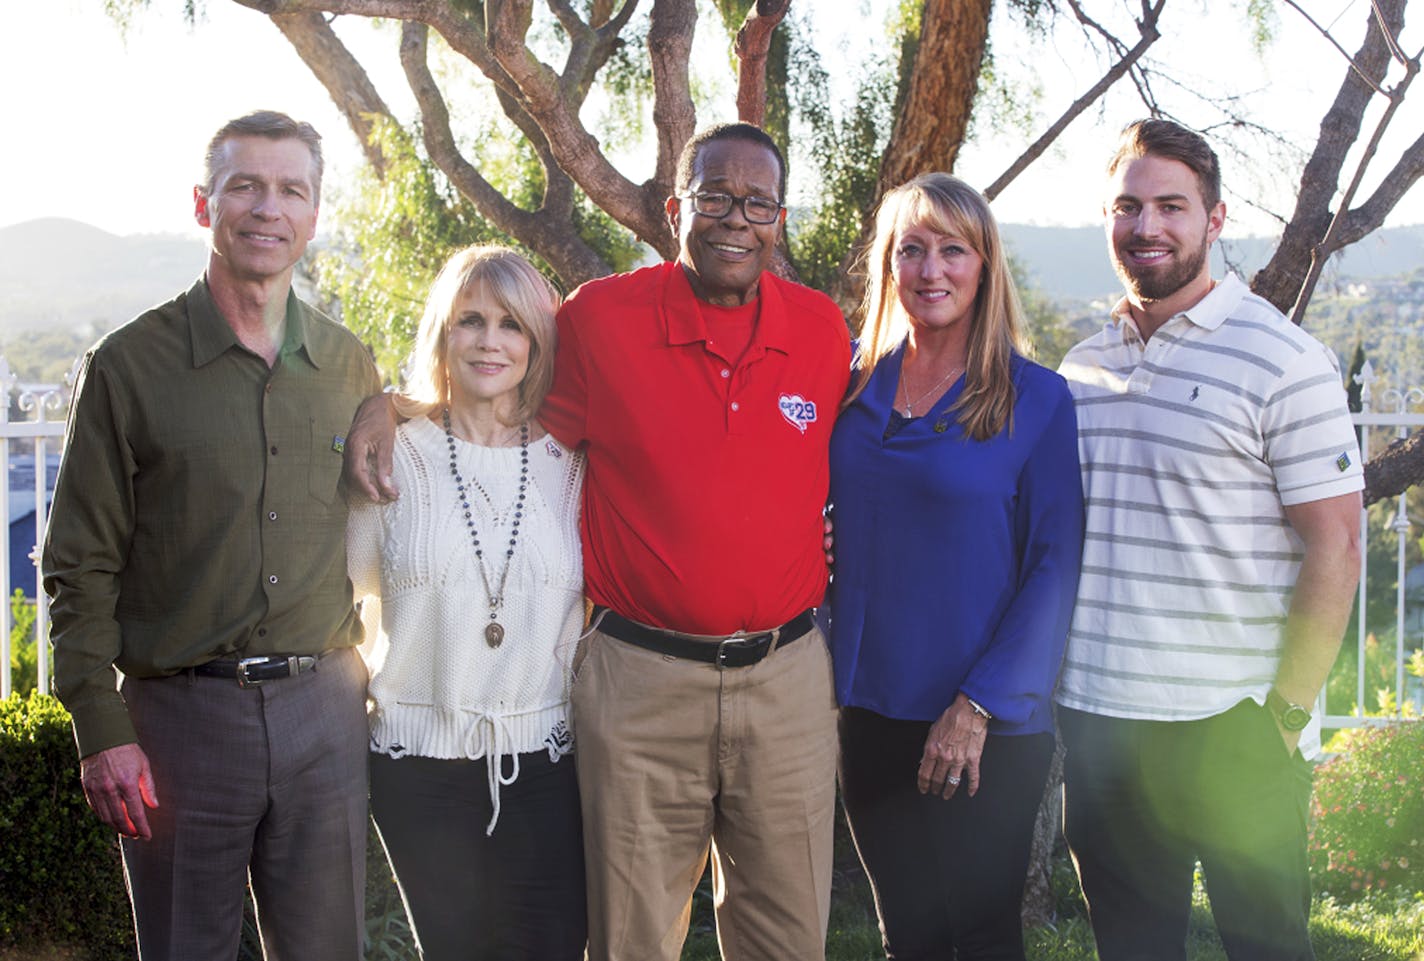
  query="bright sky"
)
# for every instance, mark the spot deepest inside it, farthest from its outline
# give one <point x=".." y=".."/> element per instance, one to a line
<point x="110" y="130"/>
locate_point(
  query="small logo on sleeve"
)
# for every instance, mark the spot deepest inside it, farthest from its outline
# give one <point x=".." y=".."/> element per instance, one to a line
<point x="797" y="410"/>
<point x="1343" y="461"/>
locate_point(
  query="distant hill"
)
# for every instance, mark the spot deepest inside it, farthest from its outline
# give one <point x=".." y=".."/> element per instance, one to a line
<point x="62" y="274"/>
<point x="1071" y="263"/>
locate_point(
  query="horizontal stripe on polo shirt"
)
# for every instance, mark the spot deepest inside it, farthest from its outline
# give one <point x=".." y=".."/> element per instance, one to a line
<point x="1190" y="445"/>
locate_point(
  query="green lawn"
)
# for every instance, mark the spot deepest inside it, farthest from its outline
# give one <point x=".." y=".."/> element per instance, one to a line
<point x="1379" y="929"/>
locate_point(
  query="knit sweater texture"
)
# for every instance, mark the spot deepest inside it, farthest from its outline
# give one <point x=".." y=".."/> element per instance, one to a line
<point x="438" y="689"/>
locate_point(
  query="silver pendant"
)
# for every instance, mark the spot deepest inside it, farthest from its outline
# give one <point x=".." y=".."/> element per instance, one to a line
<point x="494" y="634"/>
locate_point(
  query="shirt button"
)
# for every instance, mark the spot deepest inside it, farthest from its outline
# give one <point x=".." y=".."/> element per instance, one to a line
<point x="273" y="450"/>
<point x="262" y="632"/>
<point x="736" y="406"/>
<point x="726" y="373"/>
<point x="271" y="515"/>
<point x="271" y="578"/>
<point x="267" y="389"/>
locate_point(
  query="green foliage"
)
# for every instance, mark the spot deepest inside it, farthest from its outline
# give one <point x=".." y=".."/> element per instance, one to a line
<point x="59" y="866"/>
<point x="845" y="154"/>
<point x="24" y="653"/>
<point x="1341" y="690"/>
<point x="1048" y="327"/>
<point x="628" y="79"/>
<point x="1353" y="389"/>
<point x="393" y="236"/>
<point x="1367" y="832"/>
<point x="45" y="356"/>
<point x="1261" y="20"/>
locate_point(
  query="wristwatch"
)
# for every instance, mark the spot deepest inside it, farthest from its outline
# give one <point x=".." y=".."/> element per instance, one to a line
<point x="1292" y="717"/>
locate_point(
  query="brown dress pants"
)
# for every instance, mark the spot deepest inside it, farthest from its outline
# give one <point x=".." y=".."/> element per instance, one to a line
<point x="268" y="781"/>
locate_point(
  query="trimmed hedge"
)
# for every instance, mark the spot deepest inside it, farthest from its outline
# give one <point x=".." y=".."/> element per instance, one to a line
<point x="60" y="867"/>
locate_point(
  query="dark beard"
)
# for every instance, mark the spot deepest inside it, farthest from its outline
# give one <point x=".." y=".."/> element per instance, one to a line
<point x="1154" y="284"/>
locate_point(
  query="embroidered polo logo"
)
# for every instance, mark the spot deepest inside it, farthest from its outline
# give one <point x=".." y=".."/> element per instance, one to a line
<point x="797" y="410"/>
<point x="1343" y="461"/>
<point x="1196" y="392"/>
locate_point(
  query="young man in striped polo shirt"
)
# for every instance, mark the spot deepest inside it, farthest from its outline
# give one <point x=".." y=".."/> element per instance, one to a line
<point x="1223" y="483"/>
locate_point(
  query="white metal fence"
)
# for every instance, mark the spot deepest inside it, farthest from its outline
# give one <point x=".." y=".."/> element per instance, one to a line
<point x="39" y="430"/>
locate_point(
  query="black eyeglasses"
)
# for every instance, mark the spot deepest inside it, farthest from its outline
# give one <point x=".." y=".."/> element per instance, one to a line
<point x="757" y="210"/>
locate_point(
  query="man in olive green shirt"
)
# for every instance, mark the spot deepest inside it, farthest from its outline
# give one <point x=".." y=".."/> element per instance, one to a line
<point x="197" y="546"/>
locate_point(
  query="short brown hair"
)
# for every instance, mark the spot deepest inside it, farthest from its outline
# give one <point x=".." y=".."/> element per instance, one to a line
<point x="263" y="123"/>
<point x="1163" y="138"/>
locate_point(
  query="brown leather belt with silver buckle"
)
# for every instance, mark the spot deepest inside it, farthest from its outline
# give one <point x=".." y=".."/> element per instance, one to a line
<point x="255" y="671"/>
<point x="736" y="650"/>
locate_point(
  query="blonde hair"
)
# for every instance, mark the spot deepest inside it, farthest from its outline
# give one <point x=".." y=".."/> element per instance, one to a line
<point x="518" y="288"/>
<point x="946" y="205"/>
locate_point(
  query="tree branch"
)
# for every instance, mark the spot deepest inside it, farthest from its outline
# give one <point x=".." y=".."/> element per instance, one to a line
<point x="1332" y="241"/>
<point x="548" y="230"/>
<point x="539" y="91"/>
<point x="1395" y="469"/>
<point x="342" y="76"/>
<point x="1330" y="38"/>
<point x="1147" y="30"/>
<point x="752" y="45"/>
<point x="1401" y="178"/>
<point x="1281" y="280"/>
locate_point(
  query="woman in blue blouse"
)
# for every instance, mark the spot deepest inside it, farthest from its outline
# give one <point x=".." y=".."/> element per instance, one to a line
<point x="958" y="517"/>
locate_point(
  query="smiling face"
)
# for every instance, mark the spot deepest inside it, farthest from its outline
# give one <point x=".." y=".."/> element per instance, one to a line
<point x="486" y="352"/>
<point x="936" y="277"/>
<point x="1160" y="231"/>
<point x="724" y="258"/>
<point x="261" y="210"/>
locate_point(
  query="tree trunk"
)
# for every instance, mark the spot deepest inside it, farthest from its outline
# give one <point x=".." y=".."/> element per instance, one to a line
<point x="933" y="114"/>
<point x="1038" y="901"/>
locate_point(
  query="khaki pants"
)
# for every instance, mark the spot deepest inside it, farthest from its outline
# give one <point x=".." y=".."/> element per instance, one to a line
<point x="674" y="756"/>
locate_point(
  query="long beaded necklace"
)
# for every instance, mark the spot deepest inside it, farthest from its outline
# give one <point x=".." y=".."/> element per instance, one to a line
<point x="494" y="630"/>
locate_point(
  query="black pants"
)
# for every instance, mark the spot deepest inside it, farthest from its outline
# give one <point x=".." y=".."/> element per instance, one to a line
<point x="516" y="895"/>
<point x="1145" y="800"/>
<point x="948" y="875"/>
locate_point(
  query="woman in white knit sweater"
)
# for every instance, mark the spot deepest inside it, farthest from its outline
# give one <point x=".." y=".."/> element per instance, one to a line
<point x="473" y="590"/>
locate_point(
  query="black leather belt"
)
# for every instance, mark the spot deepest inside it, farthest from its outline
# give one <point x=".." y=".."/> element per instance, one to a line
<point x="735" y="650"/>
<point x="254" y="671"/>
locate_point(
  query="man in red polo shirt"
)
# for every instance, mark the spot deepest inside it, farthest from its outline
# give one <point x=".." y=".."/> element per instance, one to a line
<point x="703" y="393"/>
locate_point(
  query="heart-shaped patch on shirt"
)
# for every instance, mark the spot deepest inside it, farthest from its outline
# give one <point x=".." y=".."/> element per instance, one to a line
<point x="797" y="410"/>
